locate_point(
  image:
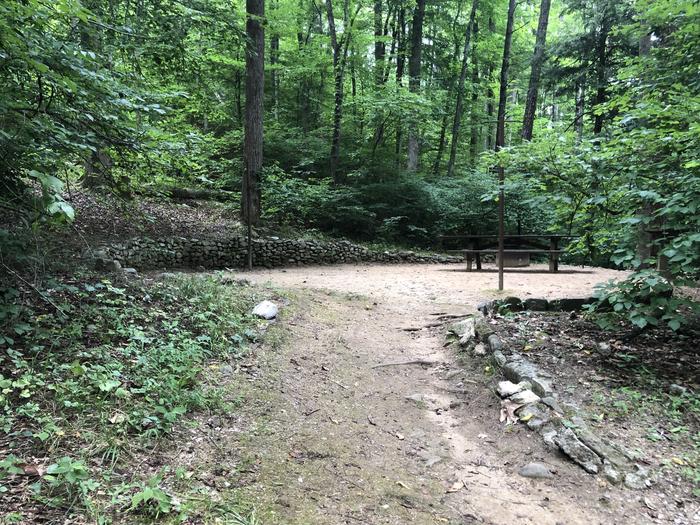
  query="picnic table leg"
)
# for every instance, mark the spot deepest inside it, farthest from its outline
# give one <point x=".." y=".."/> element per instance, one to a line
<point x="469" y="262"/>
<point x="478" y="262"/>
<point x="553" y="257"/>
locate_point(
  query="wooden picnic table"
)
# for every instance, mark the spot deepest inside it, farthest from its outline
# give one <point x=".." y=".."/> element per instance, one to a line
<point x="529" y="243"/>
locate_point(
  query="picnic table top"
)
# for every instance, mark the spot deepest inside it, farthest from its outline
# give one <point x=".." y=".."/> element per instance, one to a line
<point x="512" y="236"/>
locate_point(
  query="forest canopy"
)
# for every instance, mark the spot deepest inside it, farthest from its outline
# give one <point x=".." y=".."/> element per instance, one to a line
<point x="380" y="117"/>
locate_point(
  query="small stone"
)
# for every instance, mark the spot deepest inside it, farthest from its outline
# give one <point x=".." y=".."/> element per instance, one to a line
<point x="507" y="388"/>
<point x="113" y="266"/>
<point x="484" y="307"/>
<point x="266" y="310"/>
<point x="536" y="471"/>
<point x="131" y="271"/>
<point x="601" y="447"/>
<point x="465" y="329"/>
<point x="499" y="358"/>
<point x="604" y="349"/>
<point x="572" y="446"/>
<point x="552" y="403"/>
<point x="533" y="417"/>
<point x="513" y="304"/>
<point x="518" y="370"/>
<point x="549" y="437"/>
<point x="495" y="343"/>
<point x="536" y="305"/>
<point x="568" y="305"/>
<point x="637" y="480"/>
<point x="677" y="390"/>
<point x="479" y="350"/>
<point x="525" y="397"/>
<point x="611" y="473"/>
<point x="541" y="386"/>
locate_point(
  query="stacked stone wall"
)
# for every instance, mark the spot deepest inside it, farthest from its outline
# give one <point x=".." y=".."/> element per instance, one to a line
<point x="217" y="253"/>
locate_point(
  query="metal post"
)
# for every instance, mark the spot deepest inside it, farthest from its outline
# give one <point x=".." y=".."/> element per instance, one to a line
<point x="501" y="225"/>
<point x="249" y="226"/>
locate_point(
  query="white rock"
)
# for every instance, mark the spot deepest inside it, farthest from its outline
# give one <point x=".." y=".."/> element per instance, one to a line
<point x="526" y="397"/>
<point x="266" y="310"/>
<point x="507" y="388"/>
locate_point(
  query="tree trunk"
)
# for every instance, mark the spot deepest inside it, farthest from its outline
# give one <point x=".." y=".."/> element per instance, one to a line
<point x="601" y="72"/>
<point x="340" y="53"/>
<point x="459" y="105"/>
<point x="97" y="165"/>
<point x="489" y="135"/>
<point x="536" y="70"/>
<point x="448" y="99"/>
<point x="414" y="67"/>
<point x="501" y="137"/>
<point x="474" y="127"/>
<point x="254" y="90"/>
<point x="580" y="101"/>
<point x="274" y="76"/>
<point x="400" y="65"/>
<point x="338" y="92"/>
<point x="379" y="46"/>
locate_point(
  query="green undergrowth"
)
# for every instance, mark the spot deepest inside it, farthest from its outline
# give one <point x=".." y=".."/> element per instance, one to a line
<point x="94" y="371"/>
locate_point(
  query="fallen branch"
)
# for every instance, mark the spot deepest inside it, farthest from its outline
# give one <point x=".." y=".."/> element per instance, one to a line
<point x="423" y="362"/>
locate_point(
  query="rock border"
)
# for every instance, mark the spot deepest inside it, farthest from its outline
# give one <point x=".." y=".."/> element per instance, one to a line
<point x="231" y="252"/>
<point x="532" y="304"/>
<point x="528" y="396"/>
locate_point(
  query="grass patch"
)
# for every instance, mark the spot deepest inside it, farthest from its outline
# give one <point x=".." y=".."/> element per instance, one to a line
<point x="98" y="370"/>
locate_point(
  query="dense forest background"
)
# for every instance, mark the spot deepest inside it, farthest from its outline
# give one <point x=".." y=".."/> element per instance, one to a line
<point x="380" y="117"/>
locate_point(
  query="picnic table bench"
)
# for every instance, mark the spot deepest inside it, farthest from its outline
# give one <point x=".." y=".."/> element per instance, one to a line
<point x="525" y="244"/>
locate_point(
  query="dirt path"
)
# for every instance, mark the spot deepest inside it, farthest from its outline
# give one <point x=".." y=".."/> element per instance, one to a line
<point x="333" y="439"/>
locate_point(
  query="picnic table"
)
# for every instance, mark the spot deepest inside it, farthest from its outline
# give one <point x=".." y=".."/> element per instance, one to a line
<point x="524" y="244"/>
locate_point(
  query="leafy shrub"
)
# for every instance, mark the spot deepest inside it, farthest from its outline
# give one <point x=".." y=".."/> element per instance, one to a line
<point x="644" y="299"/>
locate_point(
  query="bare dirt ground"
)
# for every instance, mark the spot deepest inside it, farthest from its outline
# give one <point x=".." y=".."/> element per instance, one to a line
<point x="334" y="439"/>
<point x="328" y="435"/>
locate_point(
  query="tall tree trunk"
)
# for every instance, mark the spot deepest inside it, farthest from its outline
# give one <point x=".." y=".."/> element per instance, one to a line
<point x="601" y="71"/>
<point x="338" y="92"/>
<point x="501" y="137"/>
<point x="98" y="164"/>
<point x="474" y="127"/>
<point x="254" y="91"/>
<point x="450" y="90"/>
<point x="489" y="135"/>
<point x="459" y="105"/>
<point x="414" y="67"/>
<point x="379" y="45"/>
<point x="536" y="70"/>
<point x="340" y="53"/>
<point x="443" y="135"/>
<point x="274" y="75"/>
<point x="400" y="66"/>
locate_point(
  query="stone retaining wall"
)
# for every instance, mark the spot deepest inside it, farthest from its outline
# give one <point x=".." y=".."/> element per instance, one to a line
<point x="216" y="253"/>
